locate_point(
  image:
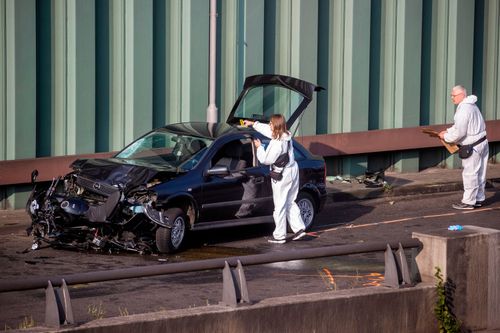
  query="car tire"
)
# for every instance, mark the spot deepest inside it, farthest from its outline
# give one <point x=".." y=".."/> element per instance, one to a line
<point x="307" y="207"/>
<point x="170" y="240"/>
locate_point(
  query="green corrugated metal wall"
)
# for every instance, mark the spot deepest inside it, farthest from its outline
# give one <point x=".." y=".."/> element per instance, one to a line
<point x="83" y="76"/>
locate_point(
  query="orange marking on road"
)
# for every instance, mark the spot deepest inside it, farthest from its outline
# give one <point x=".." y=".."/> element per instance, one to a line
<point x="438" y="215"/>
<point x="329" y="275"/>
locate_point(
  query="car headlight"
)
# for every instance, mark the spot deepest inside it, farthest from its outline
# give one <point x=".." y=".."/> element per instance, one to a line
<point x="137" y="209"/>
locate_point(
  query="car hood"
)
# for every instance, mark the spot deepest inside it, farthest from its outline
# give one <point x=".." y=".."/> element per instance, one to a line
<point x="121" y="173"/>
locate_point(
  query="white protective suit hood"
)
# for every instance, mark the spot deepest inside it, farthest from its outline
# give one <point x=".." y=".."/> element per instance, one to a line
<point x="471" y="99"/>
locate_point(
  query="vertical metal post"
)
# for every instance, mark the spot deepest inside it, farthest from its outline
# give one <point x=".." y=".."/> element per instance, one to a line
<point x="58" y="309"/>
<point x="52" y="314"/>
<point x="391" y="278"/>
<point x="403" y="266"/>
<point x="212" y="108"/>
<point x="397" y="274"/>
<point x="234" y="286"/>
<point x="242" y="283"/>
<point x="229" y="296"/>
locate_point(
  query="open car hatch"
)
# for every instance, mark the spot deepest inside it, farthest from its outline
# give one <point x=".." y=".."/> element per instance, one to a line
<point x="265" y="95"/>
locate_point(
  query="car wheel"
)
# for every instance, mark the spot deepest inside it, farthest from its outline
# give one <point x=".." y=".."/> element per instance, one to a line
<point x="307" y="208"/>
<point x="169" y="240"/>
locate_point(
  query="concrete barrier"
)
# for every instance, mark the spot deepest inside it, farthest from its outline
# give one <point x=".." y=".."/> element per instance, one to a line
<point x="470" y="259"/>
<point x="375" y="309"/>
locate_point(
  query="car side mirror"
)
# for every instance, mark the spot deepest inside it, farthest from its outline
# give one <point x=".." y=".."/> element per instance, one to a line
<point x="218" y="170"/>
<point x="34" y="175"/>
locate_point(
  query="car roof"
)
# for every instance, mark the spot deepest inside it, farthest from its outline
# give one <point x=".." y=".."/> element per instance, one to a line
<point x="205" y="129"/>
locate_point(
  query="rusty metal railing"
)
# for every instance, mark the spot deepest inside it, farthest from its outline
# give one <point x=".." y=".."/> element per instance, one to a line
<point x="199" y="265"/>
<point x="58" y="304"/>
<point x="326" y="145"/>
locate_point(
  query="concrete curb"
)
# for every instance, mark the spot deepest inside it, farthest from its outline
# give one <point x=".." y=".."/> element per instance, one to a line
<point x="371" y="193"/>
<point x="340" y="195"/>
<point x="410" y="310"/>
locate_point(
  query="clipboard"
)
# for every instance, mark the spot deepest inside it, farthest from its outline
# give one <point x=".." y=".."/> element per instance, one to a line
<point x="451" y="147"/>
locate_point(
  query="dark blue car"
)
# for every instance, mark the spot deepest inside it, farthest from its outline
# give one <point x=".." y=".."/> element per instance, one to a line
<point x="177" y="178"/>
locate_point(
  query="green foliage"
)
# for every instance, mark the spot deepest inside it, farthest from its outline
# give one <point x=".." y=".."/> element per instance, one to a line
<point x="27" y="323"/>
<point x="447" y="322"/>
<point x="123" y="311"/>
<point x="386" y="187"/>
<point x="96" y="311"/>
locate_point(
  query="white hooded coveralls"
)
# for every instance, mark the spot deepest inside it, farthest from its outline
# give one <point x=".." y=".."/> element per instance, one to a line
<point x="284" y="191"/>
<point x="469" y="127"/>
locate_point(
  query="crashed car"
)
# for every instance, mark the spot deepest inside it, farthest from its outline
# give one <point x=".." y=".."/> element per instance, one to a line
<point x="177" y="179"/>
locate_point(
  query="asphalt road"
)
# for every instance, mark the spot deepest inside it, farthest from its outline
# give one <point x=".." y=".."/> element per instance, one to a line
<point x="382" y="220"/>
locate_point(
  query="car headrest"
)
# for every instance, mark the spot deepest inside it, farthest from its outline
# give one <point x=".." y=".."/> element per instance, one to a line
<point x="196" y="145"/>
<point x="233" y="151"/>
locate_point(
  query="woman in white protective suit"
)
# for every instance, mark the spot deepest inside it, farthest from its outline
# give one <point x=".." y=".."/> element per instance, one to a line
<point x="284" y="190"/>
<point x="469" y="129"/>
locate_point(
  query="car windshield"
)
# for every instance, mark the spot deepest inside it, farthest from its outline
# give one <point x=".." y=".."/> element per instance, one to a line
<point x="261" y="102"/>
<point x="164" y="148"/>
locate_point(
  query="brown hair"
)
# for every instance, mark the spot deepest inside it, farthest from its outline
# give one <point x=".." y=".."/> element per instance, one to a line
<point x="279" y="125"/>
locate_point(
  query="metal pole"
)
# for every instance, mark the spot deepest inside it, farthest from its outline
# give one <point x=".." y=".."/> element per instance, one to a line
<point x="200" y="265"/>
<point x="212" y="108"/>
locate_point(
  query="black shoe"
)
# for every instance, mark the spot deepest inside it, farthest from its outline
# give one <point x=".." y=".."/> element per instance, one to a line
<point x="463" y="206"/>
<point x="479" y="204"/>
<point x="276" y="241"/>
<point x="299" y="234"/>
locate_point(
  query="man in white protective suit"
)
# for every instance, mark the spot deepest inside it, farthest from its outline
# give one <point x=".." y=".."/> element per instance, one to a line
<point x="469" y="132"/>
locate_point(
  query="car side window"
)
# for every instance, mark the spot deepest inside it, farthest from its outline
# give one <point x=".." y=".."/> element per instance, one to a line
<point x="236" y="155"/>
<point x="248" y="152"/>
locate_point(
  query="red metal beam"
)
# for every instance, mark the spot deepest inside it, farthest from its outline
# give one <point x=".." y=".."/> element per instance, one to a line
<point x="18" y="171"/>
<point x="377" y="141"/>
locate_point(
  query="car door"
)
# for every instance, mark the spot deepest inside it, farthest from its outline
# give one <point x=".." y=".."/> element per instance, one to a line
<point x="243" y="192"/>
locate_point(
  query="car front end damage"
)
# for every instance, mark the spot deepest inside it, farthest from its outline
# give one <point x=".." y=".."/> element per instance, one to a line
<point x="111" y="204"/>
<point x="80" y="212"/>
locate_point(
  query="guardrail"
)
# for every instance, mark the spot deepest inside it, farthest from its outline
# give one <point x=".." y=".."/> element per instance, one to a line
<point x="17" y="172"/>
<point x="199" y="265"/>
<point x="234" y="284"/>
<point x="327" y="145"/>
